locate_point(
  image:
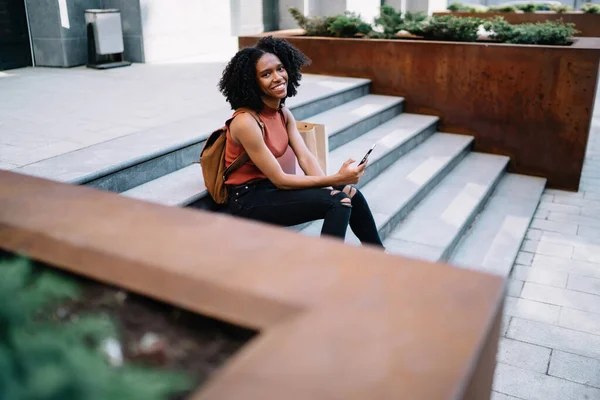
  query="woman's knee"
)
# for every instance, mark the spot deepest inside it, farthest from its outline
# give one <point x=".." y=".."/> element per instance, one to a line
<point x="341" y="198"/>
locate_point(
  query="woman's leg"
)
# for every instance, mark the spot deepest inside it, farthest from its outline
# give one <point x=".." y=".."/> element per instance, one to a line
<point x="293" y="207"/>
<point x="361" y="221"/>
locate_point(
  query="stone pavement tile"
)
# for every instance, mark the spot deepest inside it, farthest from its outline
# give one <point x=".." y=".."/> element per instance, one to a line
<point x="552" y="226"/>
<point x="531" y="310"/>
<point x="588" y="231"/>
<point x="7" y="166"/>
<point x="523" y="355"/>
<point x="557" y="192"/>
<point x="547" y="196"/>
<point x="561" y="297"/>
<point x="530" y="385"/>
<point x="534" y="234"/>
<point x="579" y="320"/>
<point x="581" y="220"/>
<point x="27" y="140"/>
<point x="505" y="324"/>
<point x="569" y="240"/>
<point x="571" y="266"/>
<point x="576" y="201"/>
<point x="591" y="196"/>
<point x="584" y="284"/>
<point x="589" y="253"/>
<point x="591" y="212"/>
<point x="514" y="288"/>
<point x="575" y="368"/>
<point x="554" y="337"/>
<point x="529" y="246"/>
<point x="28" y="156"/>
<point x="524" y="258"/>
<point x="554" y="249"/>
<point x="541" y="214"/>
<point x="502" y="396"/>
<point x="540" y="275"/>
<point x="562" y="208"/>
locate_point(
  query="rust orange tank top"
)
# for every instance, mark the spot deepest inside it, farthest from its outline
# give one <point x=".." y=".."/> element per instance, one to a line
<point x="276" y="139"/>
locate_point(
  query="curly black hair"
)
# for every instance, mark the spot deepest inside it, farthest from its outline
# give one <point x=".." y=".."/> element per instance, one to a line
<point x="239" y="83"/>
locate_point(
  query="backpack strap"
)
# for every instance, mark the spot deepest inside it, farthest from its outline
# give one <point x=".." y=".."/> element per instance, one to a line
<point x="244" y="157"/>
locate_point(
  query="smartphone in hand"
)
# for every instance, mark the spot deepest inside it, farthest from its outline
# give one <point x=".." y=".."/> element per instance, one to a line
<point x="366" y="157"/>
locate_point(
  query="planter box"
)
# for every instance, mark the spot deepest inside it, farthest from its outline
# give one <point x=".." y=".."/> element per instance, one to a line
<point x="531" y="103"/>
<point x="587" y="24"/>
<point x="334" y="321"/>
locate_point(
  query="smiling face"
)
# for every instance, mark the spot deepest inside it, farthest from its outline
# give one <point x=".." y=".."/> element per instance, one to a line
<point x="272" y="77"/>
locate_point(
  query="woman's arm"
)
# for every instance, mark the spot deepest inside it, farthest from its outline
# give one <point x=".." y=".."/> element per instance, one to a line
<point x="307" y="160"/>
<point x="245" y="131"/>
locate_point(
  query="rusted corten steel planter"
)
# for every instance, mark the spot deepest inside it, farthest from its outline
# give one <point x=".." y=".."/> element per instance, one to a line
<point x="531" y="103"/>
<point x="335" y="321"/>
<point x="587" y="24"/>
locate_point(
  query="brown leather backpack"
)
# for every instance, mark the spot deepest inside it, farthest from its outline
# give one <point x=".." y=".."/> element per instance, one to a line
<point x="212" y="159"/>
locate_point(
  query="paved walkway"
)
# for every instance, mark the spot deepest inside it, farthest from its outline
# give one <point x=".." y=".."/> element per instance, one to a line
<point x="45" y="112"/>
<point x="550" y="348"/>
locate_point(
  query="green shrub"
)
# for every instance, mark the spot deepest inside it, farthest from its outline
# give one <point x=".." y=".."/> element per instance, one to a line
<point x="314" y="26"/>
<point x="458" y="7"/>
<point x="414" y="16"/>
<point x="545" y="33"/>
<point x="41" y="359"/>
<point x="506" y="9"/>
<point x="561" y="8"/>
<point x="390" y="20"/>
<point x="591" y="8"/>
<point x="447" y="27"/>
<point x="349" y="24"/>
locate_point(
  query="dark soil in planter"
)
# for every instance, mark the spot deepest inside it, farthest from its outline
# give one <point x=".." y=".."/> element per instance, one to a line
<point x="183" y="341"/>
<point x="191" y="343"/>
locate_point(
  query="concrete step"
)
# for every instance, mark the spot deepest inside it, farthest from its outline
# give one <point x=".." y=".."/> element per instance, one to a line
<point x="129" y="161"/>
<point x="397" y="190"/>
<point x="492" y="243"/>
<point x="185" y="186"/>
<point x="351" y="120"/>
<point x="179" y="188"/>
<point x="434" y="228"/>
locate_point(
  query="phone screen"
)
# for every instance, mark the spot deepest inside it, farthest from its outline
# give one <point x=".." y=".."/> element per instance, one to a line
<point x="366" y="157"/>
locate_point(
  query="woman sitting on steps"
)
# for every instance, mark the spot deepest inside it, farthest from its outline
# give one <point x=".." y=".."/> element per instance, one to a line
<point x="260" y="78"/>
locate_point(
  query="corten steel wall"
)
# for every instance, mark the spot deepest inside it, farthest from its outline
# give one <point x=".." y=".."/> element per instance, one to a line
<point x="587" y="24"/>
<point x="531" y="103"/>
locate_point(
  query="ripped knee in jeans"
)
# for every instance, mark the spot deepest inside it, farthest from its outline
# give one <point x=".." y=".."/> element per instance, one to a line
<point x="343" y="197"/>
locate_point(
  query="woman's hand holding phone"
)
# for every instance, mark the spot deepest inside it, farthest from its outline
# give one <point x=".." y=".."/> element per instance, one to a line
<point x="349" y="174"/>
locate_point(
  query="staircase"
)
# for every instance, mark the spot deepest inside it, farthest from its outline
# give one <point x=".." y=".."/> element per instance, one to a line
<point x="433" y="198"/>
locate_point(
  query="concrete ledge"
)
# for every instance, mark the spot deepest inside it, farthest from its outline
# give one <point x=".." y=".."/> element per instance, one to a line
<point x="336" y="321"/>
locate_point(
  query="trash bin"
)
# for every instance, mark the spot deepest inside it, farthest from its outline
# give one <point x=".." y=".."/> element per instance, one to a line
<point x="105" y="39"/>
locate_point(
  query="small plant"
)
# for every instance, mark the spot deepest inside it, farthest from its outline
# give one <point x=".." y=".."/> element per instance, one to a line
<point x="506" y="9"/>
<point x="314" y="26"/>
<point x="561" y="8"/>
<point x="590" y="8"/>
<point x="349" y="24"/>
<point x="41" y="359"/>
<point x="390" y="20"/>
<point x="448" y="27"/>
<point x="528" y="8"/>
<point x="533" y="7"/>
<point x="460" y="7"/>
<point x="544" y="33"/>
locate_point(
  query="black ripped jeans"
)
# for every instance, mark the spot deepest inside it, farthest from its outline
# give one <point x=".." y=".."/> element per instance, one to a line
<point x="262" y="201"/>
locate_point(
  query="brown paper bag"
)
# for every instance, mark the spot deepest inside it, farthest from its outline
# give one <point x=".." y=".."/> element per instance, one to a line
<point x="316" y="140"/>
